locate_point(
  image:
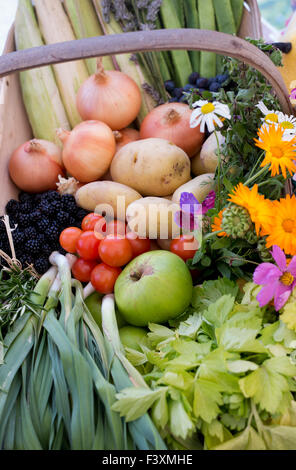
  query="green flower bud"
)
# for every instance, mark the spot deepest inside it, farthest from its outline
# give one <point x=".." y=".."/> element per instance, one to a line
<point x="264" y="252"/>
<point x="236" y="221"/>
<point x="251" y="236"/>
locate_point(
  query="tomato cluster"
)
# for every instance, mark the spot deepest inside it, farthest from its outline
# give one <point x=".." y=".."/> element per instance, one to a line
<point x="103" y="249"/>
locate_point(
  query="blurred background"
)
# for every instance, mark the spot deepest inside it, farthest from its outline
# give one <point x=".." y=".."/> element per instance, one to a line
<point x="275" y="14"/>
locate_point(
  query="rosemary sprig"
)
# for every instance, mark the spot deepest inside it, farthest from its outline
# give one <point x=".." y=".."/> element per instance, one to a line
<point x="16" y="287"/>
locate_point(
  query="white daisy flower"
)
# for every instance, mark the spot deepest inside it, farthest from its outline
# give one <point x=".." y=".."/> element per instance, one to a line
<point x="271" y="116"/>
<point x="288" y="123"/>
<point x="207" y="114"/>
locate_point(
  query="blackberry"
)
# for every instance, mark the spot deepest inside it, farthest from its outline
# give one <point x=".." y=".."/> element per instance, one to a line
<point x="72" y="222"/>
<point x="69" y="203"/>
<point x="28" y="259"/>
<point x="193" y="77"/>
<point x="52" y="232"/>
<point x="42" y="265"/>
<point x="30" y="233"/>
<point x="25" y="208"/>
<point x="24" y="221"/>
<point x="18" y="238"/>
<point x="43" y="224"/>
<point x="62" y="217"/>
<point x="32" y="247"/>
<point x="12" y="207"/>
<point x="81" y="213"/>
<point x="51" y="196"/>
<point x="26" y="197"/>
<point x="62" y="251"/>
<point x="46" y="249"/>
<point x="44" y="207"/>
<point x="173" y="100"/>
<point x="35" y="216"/>
<point x="57" y="206"/>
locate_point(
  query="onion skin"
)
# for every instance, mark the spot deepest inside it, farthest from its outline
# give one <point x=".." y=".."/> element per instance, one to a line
<point x="36" y="165"/>
<point x="88" y="150"/>
<point x="171" y="121"/>
<point x="125" y="136"/>
<point x="111" y="97"/>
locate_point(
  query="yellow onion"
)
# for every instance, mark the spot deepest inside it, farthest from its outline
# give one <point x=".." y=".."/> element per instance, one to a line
<point x="36" y="165"/>
<point x="88" y="150"/>
<point x="171" y="121"/>
<point x="111" y="97"/>
<point x="125" y="136"/>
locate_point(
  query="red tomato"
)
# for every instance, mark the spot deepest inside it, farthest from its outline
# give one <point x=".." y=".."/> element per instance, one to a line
<point x="103" y="278"/>
<point x="184" y="246"/>
<point x="88" y="245"/>
<point x="69" y="238"/>
<point x="90" y="221"/>
<point x="139" y="245"/>
<point x="82" y="269"/>
<point x="116" y="228"/>
<point x="115" y="251"/>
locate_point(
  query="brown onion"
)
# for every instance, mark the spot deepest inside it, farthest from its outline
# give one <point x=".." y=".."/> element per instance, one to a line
<point x="125" y="136"/>
<point x="171" y="121"/>
<point x="35" y="166"/>
<point x="88" y="150"/>
<point x="111" y="97"/>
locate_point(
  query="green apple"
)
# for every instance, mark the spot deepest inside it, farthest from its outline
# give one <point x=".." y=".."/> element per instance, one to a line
<point x="94" y="304"/>
<point x="154" y="288"/>
<point x="132" y="336"/>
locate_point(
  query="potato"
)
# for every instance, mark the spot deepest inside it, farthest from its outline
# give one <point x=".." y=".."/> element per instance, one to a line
<point x="153" y="217"/>
<point x="199" y="186"/>
<point x="106" y="197"/>
<point x="207" y="161"/>
<point x="153" y="167"/>
<point x="197" y="166"/>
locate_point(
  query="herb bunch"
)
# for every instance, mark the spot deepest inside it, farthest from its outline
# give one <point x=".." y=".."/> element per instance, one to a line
<point x="16" y="287"/>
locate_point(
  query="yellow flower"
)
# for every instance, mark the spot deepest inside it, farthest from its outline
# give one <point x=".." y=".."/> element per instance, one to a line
<point x="216" y="226"/>
<point x="279" y="153"/>
<point x="283" y="229"/>
<point x="259" y="208"/>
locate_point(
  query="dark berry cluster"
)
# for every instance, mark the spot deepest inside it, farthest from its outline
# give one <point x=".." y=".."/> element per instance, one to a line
<point x="196" y="82"/>
<point x="39" y="219"/>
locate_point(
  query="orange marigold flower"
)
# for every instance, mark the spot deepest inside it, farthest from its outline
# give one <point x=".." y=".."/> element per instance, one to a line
<point x="217" y="224"/>
<point x="279" y="153"/>
<point x="283" y="229"/>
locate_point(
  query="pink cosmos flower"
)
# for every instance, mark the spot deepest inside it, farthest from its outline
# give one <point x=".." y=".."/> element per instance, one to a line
<point x="277" y="281"/>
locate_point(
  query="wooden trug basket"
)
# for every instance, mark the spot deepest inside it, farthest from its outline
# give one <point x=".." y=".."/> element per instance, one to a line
<point x="14" y="125"/>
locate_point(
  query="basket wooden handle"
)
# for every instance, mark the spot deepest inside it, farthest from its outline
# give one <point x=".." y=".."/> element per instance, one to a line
<point x="142" y="41"/>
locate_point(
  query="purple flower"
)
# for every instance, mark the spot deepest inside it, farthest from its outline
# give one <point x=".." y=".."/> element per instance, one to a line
<point x="277" y="281"/>
<point x="209" y="202"/>
<point x="191" y="211"/>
